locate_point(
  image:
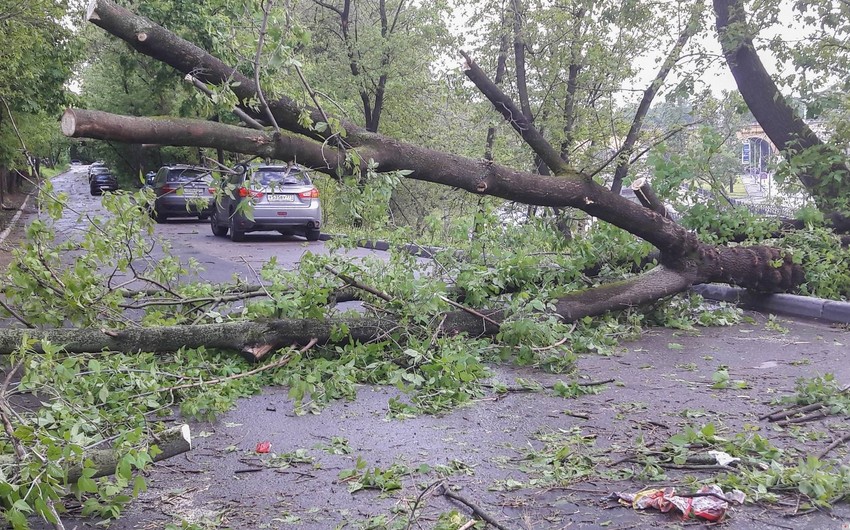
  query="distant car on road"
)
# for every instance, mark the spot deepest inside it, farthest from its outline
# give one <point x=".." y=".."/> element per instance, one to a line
<point x="102" y="181"/>
<point x="75" y="162"/>
<point x="98" y="170"/>
<point x="278" y="198"/>
<point x="150" y="176"/>
<point x="182" y="191"/>
<point x="96" y="166"/>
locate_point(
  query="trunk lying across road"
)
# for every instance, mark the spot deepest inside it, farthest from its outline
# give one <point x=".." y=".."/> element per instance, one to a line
<point x="684" y="259"/>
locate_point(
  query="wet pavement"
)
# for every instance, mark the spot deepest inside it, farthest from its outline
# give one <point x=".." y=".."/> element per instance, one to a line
<point x="662" y="383"/>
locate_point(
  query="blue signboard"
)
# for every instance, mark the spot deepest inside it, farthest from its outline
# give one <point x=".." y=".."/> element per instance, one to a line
<point x="745" y="153"/>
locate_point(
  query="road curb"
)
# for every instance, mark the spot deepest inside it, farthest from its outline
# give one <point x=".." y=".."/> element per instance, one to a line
<point x="783" y="304"/>
<point x="6" y="231"/>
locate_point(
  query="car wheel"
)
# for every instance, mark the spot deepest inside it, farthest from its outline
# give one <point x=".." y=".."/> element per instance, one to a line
<point x="312" y="234"/>
<point x="93" y="192"/>
<point x="236" y="234"/>
<point x="217" y="229"/>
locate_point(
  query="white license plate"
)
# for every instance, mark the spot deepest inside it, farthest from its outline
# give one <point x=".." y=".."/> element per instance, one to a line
<point x="191" y="192"/>
<point x="280" y="197"/>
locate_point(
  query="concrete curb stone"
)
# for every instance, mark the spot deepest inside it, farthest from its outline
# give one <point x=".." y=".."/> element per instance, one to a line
<point x="784" y="304"/>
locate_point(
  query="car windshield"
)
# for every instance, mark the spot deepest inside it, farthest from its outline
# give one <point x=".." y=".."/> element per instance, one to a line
<point x="281" y="177"/>
<point x="99" y="170"/>
<point x="184" y="176"/>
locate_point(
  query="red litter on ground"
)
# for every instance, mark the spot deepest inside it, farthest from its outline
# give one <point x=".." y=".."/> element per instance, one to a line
<point x="709" y="502"/>
<point x="263" y="447"/>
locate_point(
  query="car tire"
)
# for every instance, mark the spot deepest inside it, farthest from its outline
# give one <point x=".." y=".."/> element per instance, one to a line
<point x="312" y="234"/>
<point x="217" y="229"/>
<point x="93" y="192"/>
<point x="236" y="235"/>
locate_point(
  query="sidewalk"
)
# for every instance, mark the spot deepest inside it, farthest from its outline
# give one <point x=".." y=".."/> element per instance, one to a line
<point x="755" y="192"/>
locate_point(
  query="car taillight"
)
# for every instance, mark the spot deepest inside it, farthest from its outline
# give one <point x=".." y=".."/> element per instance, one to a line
<point x="212" y="191"/>
<point x="312" y="194"/>
<point x="168" y="189"/>
<point x="245" y="192"/>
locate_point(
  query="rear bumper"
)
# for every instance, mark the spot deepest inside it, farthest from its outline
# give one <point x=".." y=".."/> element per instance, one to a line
<point x="181" y="207"/>
<point x="279" y="219"/>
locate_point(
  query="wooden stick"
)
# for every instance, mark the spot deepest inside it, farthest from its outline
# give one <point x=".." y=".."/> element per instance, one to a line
<point x="475" y="509"/>
<point x="786" y="413"/>
<point x="469" y="310"/>
<point x="834" y="444"/>
<point x="818" y="414"/>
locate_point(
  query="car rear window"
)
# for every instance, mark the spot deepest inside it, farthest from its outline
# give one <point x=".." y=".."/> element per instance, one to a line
<point x="183" y="176"/>
<point x="266" y="177"/>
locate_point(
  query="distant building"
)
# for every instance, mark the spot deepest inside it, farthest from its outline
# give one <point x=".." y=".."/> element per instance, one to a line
<point x="757" y="149"/>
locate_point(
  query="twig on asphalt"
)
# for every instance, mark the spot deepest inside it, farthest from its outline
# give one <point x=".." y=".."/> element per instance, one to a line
<point x="782" y="414"/>
<point x="818" y="414"/>
<point x="419" y="499"/>
<point x="833" y="445"/>
<point x="478" y="512"/>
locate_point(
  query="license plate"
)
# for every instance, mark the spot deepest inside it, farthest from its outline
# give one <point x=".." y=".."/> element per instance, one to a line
<point x="280" y="197"/>
<point x="191" y="192"/>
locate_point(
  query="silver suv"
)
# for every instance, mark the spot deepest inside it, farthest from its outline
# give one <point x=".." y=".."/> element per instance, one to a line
<point x="278" y="198"/>
<point x="182" y="191"/>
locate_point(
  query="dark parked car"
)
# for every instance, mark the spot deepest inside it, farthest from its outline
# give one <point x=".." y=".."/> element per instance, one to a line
<point x="103" y="181"/>
<point x="98" y="170"/>
<point x="182" y="191"/>
<point x="267" y="197"/>
<point x="95" y="167"/>
<point x="150" y="176"/>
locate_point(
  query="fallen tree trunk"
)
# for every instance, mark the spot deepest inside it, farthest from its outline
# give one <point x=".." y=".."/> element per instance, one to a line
<point x="253" y="339"/>
<point x="681" y="250"/>
<point x="171" y="442"/>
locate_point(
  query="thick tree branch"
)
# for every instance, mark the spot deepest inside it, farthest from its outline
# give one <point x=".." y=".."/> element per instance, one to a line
<point x="680" y="249"/>
<point x="628" y="146"/>
<point x="518" y="120"/>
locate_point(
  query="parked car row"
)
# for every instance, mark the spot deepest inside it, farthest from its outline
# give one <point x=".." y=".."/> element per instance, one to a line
<point x="279" y="198"/>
